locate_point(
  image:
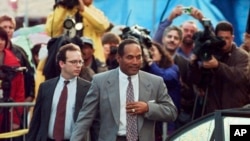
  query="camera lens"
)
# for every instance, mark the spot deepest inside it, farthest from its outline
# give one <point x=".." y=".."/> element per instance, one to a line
<point x="68" y="24"/>
<point x="113" y="50"/>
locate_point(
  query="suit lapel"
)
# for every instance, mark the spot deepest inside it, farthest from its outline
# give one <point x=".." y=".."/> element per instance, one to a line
<point x="144" y="94"/>
<point x="114" y="94"/>
<point x="49" y="93"/>
<point x="81" y="91"/>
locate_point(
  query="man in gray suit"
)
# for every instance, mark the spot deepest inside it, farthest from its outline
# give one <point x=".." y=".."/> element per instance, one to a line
<point x="107" y="98"/>
<point x="69" y="58"/>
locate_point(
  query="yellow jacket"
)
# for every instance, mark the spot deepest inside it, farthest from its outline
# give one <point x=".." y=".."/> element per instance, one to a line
<point x="94" y="21"/>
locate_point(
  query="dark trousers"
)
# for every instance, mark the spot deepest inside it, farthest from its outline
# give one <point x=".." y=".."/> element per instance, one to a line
<point x="48" y="139"/>
<point x="121" y="138"/>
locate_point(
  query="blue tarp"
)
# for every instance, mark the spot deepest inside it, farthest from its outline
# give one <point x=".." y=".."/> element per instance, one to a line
<point x="148" y="13"/>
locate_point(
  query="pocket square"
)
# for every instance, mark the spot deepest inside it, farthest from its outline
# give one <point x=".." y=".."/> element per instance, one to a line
<point x="151" y="101"/>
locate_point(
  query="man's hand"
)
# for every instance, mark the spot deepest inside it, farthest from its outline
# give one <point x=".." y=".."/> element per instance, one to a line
<point x="136" y="108"/>
<point x="177" y="11"/>
<point x="213" y="63"/>
<point x="15" y="126"/>
<point x="81" y="5"/>
<point x="196" y="13"/>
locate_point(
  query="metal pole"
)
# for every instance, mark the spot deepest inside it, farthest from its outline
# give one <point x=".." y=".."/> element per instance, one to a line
<point x="26" y="14"/>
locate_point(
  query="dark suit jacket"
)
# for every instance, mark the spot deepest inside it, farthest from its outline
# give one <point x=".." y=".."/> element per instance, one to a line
<point x="38" y="130"/>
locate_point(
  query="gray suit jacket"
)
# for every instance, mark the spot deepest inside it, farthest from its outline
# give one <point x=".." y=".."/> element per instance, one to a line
<point x="103" y="97"/>
<point x="38" y="130"/>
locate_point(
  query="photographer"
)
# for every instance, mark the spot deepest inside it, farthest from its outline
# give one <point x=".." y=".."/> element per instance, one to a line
<point x="90" y="21"/>
<point x="110" y="42"/>
<point x="11" y="86"/>
<point x="227" y="73"/>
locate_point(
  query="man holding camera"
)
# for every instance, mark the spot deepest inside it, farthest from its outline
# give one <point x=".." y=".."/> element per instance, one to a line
<point x="179" y="42"/>
<point x="228" y="73"/>
<point x="89" y="21"/>
<point x="188" y="28"/>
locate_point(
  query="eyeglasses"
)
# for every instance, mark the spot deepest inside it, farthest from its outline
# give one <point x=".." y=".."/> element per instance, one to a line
<point x="76" y="62"/>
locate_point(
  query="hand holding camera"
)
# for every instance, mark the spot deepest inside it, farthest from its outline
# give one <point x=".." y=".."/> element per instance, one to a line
<point x="196" y="13"/>
<point x="178" y="10"/>
<point x="81" y="6"/>
<point x="210" y="64"/>
<point x="187" y="10"/>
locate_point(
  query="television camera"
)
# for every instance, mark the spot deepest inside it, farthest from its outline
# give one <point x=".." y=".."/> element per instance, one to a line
<point x="206" y="43"/>
<point x="139" y="33"/>
<point x="8" y="73"/>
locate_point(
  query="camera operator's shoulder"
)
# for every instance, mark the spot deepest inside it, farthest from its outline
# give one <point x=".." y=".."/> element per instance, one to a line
<point x="243" y="51"/>
<point x="240" y="53"/>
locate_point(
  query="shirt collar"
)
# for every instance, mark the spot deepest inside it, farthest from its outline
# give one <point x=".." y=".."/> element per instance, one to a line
<point x="62" y="79"/>
<point x="125" y="76"/>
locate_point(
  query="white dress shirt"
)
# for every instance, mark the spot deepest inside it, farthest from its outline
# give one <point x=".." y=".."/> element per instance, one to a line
<point x="123" y="85"/>
<point x="70" y="107"/>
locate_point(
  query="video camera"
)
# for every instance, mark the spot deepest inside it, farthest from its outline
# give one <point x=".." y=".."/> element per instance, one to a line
<point x="206" y="43"/>
<point x="139" y="33"/>
<point x="67" y="3"/>
<point x="8" y="73"/>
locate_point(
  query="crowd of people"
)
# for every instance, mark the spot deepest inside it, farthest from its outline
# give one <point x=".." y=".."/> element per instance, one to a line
<point x="98" y="85"/>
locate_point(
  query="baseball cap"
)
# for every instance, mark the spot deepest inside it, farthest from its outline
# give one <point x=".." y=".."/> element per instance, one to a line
<point x="86" y="40"/>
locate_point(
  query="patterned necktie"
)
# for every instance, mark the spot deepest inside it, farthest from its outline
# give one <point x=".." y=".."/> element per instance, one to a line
<point x="132" y="134"/>
<point x="59" y="126"/>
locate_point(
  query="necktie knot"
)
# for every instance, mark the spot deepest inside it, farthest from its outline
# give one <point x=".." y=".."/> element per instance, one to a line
<point x="66" y="82"/>
<point x="129" y="78"/>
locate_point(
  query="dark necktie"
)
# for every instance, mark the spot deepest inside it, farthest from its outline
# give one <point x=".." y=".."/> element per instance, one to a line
<point x="59" y="126"/>
<point x="132" y="134"/>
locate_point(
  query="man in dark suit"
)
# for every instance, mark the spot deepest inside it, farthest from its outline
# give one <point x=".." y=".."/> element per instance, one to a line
<point x="44" y="119"/>
<point x="110" y="97"/>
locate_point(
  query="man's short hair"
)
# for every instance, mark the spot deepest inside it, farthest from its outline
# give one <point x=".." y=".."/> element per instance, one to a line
<point x="190" y="22"/>
<point x="61" y="54"/>
<point x="224" y="26"/>
<point x="170" y="28"/>
<point x="120" y="50"/>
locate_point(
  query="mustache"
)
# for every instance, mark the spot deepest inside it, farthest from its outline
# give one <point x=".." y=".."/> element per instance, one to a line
<point x="171" y="42"/>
